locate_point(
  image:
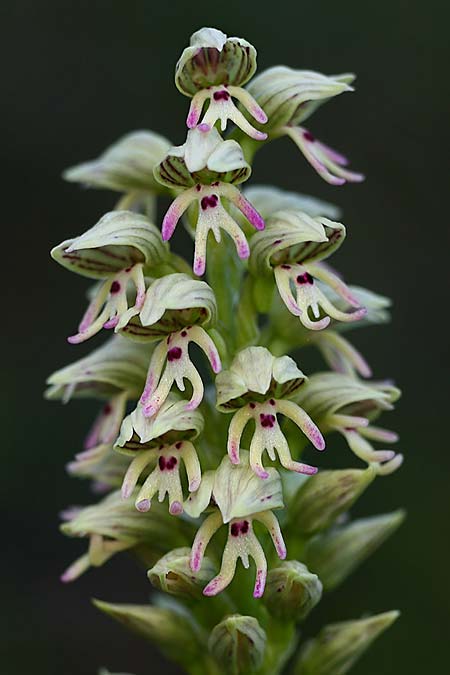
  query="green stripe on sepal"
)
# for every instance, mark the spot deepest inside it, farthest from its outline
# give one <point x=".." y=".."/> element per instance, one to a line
<point x="126" y="166"/>
<point x="119" y="240"/>
<point x="290" y="96"/>
<point x="293" y="237"/>
<point x="339" y="645"/>
<point x="213" y="59"/>
<point x="335" y="554"/>
<point x="118" y="365"/>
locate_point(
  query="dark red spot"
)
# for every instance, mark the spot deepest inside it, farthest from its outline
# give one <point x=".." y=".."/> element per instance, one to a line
<point x="198" y="188"/>
<point x="234" y="529"/>
<point x="277" y="241"/>
<point x="267" y="421"/>
<point x="162" y="463"/>
<point x="178" y="445"/>
<point x="174" y="354"/>
<point x="305" y="278"/>
<point x="128" y="269"/>
<point x="252" y="405"/>
<point x="161" y="447"/>
<point x="244" y="527"/>
<point x="307" y="135"/>
<point x="221" y="95"/>
<point x="349" y="429"/>
<point x="285" y="267"/>
<point x="272" y="401"/>
<point x="107" y="409"/>
<point x="115" y="287"/>
<point x="183" y="333"/>
<point x="215" y="184"/>
<point x="239" y="528"/>
<point x="209" y="202"/>
<point x="171" y="463"/>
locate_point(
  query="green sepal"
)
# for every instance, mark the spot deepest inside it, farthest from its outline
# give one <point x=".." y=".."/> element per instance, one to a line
<point x="238" y="644"/>
<point x="126" y="166"/>
<point x="119" y="240"/>
<point x="292" y="591"/>
<point x="172" y="574"/>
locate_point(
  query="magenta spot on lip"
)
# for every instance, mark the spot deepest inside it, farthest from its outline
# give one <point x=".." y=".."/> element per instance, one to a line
<point x="115" y="287"/>
<point x="305" y="278"/>
<point x="285" y="267"/>
<point x="252" y="405"/>
<point x="241" y="527"/>
<point x="198" y="187"/>
<point x="209" y="202"/>
<point x="221" y="95"/>
<point x="307" y="135"/>
<point x="272" y="401"/>
<point x="174" y="354"/>
<point x="175" y="508"/>
<point x="183" y="333"/>
<point x="167" y="464"/>
<point x="178" y="445"/>
<point x="267" y="420"/>
<point x="204" y="127"/>
<point x="143" y="505"/>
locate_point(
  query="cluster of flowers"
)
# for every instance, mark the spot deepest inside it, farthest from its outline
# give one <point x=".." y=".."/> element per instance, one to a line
<point x="157" y="307"/>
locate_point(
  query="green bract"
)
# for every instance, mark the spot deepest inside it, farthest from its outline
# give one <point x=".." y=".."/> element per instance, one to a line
<point x="256" y="374"/>
<point x="126" y="166"/>
<point x="119" y="240"/>
<point x="213" y="59"/>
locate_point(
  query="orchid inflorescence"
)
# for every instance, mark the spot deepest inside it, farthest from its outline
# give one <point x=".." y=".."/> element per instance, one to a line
<point x="227" y="453"/>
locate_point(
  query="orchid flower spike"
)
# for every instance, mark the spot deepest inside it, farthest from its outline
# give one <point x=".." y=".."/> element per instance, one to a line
<point x="348" y="406"/>
<point x="258" y="387"/>
<point x="291" y="248"/>
<point x="209" y="169"/>
<point x="116" y="250"/>
<point x="213" y="69"/>
<point x="241" y="498"/>
<point x="164" y="440"/>
<point x="173" y="353"/>
<point x="289" y="97"/>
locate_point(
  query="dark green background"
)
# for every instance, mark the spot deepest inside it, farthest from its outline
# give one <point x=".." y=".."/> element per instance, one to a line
<point x="77" y="75"/>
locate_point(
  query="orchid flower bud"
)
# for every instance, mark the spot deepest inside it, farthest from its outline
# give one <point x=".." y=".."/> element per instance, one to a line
<point x="333" y="555"/>
<point x="256" y="387"/>
<point x="238" y="644"/>
<point x="209" y="169"/>
<point x="172" y="574"/>
<point x="117" y="250"/>
<point x="291" y="247"/>
<point x="213" y="69"/>
<point x="292" y="591"/>
<point x="338" y="646"/>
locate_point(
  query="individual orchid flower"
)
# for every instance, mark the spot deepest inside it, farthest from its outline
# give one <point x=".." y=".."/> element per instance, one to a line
<point x="340" y="354"/>
<point x="164" y="440"/>
<point x="213" y="69"/>
<point x="209" y="169"/>
<point x="289" y="97"/>
<point x="291" y="248"/>
<point x="258" y="387"/>
<point x="171" y="363"/>
<point x="348" y="406"/>
<point x="116" y="250"/>
<point x="241" y="498"/>
<point x="113" y="525"/>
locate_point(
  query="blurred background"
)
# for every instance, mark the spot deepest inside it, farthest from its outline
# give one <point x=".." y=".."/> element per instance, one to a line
<point x="76" y="76"/>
